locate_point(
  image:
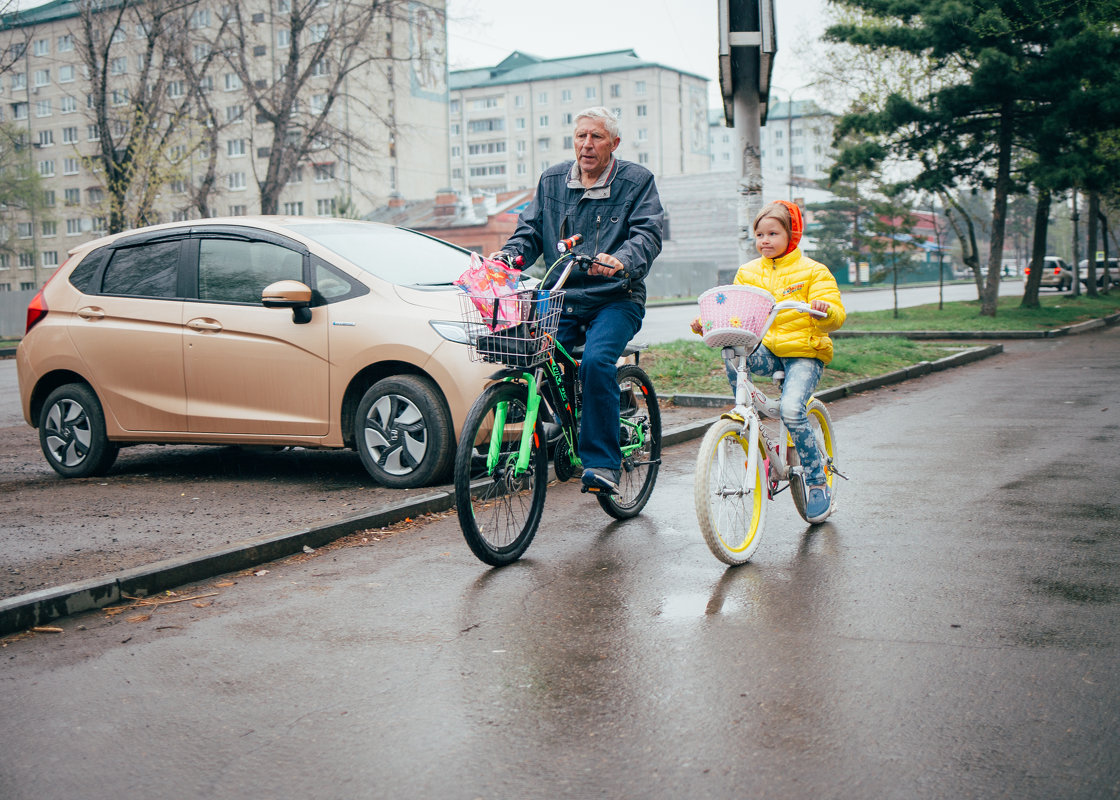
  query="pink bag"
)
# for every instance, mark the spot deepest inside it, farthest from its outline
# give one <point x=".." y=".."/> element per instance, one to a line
<point x="491" y="286"/>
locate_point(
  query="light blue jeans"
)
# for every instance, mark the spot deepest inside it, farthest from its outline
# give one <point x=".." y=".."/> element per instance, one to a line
<point x="802" y="376"/>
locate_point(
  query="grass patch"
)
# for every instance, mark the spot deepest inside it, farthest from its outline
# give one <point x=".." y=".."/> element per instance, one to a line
<point x="1055" y="311"/>
<point x="691" y="367"/>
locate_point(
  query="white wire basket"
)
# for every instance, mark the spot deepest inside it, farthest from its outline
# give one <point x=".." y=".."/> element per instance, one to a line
<point x="734" y="316"/>
<point x="517" y="330"/>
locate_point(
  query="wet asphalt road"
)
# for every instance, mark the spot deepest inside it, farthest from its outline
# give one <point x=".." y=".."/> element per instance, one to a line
<point x="953" y="632"/>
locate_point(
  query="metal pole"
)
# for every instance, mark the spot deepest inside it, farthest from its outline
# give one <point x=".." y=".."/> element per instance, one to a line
<point x="1076" y="269"/>
<point x="747" y="110"/>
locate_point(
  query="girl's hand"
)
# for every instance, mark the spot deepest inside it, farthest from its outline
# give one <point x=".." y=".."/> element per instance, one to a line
<point x="820" y="305"/>
<point x="696" y="328"/>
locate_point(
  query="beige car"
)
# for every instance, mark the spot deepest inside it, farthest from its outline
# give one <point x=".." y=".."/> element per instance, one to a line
<point x="277" y="331"/>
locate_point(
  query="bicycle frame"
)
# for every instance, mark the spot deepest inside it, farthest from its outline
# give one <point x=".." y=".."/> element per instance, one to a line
<point x="751" y="406"/>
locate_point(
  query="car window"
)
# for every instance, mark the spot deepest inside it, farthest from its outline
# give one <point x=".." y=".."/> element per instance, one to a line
<point x="149" y="270"/>
<point x="392" y="254"/>
<point x="330" y="283"/>
<point x="234" y="271"/>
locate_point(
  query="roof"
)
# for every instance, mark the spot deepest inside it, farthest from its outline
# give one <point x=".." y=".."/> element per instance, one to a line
<point x="519" y="67"/>
<point x="421" y="214"/>
<point x="56" y="9"/>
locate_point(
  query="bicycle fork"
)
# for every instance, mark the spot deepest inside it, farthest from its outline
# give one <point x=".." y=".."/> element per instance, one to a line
<point x="528" y="430"/>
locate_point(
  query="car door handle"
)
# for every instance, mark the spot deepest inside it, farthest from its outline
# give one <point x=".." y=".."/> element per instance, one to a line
<point x="91" y="314"/>
<point x="204" y="325"/>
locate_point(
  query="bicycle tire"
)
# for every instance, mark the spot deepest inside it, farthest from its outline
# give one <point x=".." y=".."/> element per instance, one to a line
<point x="730" y="504"/>
<point x="825" y="434"/>
<point x="499" y="513"/>
<point x="638" y="408"/>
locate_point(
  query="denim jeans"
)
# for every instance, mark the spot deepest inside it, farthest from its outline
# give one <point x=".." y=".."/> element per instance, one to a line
<point x="604" y="334"/>
<point x="802" y="375"/>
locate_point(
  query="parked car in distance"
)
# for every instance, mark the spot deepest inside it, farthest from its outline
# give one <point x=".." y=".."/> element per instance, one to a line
<point x="274" y="331"/>
<point x="1113" y="272"/>
<point x="1056" y="274"/>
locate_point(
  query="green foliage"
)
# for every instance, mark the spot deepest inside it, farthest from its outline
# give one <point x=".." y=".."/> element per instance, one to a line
<point x="21" y="193"/>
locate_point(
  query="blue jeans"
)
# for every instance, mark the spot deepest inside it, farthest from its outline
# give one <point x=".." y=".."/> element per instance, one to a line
<point x="604" y="334"/>
<point x="802" y="375"/>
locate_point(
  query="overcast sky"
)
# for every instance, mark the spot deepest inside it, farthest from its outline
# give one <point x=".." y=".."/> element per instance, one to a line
<point x="682" y="34"/>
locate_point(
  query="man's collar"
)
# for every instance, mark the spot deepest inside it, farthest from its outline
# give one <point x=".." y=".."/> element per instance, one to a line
<point x="602" y="187"/>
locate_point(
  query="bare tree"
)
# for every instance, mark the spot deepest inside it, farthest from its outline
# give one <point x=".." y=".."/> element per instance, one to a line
<point x="325" y="47"/>
<point x="141" y="99"/>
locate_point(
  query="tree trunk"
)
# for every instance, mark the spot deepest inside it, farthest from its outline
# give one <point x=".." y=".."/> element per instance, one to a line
<point x="1038" y="250"/>
<point x="1091" y="244"/>
<point x="990" y="297"/>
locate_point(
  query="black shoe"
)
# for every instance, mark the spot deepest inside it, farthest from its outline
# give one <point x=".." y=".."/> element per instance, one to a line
<point x="597" y="479"/>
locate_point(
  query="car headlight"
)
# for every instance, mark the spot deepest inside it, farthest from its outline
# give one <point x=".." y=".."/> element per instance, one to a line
<point x="450" y="330"/>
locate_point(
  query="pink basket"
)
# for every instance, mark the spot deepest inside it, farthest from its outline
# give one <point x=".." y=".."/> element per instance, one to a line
<point x="733" y="316"/>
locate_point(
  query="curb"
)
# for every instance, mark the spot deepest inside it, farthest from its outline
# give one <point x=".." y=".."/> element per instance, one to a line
<point x="36" y="608"/>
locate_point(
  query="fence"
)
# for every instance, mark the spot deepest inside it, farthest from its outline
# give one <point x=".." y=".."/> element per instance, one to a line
<point x="13" y="313"/>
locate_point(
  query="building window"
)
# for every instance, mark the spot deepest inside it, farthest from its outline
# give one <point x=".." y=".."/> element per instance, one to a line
<point x="235" y="148"/>
<point x="68" y="105"/>
<point x="50" y="258"/>
<point x="19" y="81"/>
<point x="73" y="227"/>
<point x="590" y="93"/>
<point x="324" y="172"/>
<point x="237" y="181"/>
<point x="292" y="209"/>
<point x="238" y="211"/>
<point x="566" y="96"/>
<point x="643" y="158"/>
<point x="542" y="121"/>
<point x="42" y="47"/>
<point x="50" y="227"/>
<point x="70" y="166"/>
<point x="19" y="110"/>
<point x="642" y="110"/>
<point x="25" y="230"/>
<point x="48" y="198"/>
<point x="235" y="113"/>
<point x="643" y="134"/>
<point x="283" y="38"/>
<point x="616" y="90"/>
<point x="65" y="43"/>
<point x="46" y="138"/>
<point x="46" y="168"/>
<point x="92" y="133"/>
<point x="71" y="197"/>
<point x="42" y="77"/>
<point x="639" y="87"/>
<point x="542" y="98"/>
<point x="26" y="261"/>
<point x="118" y="66"/>
<point x="325" y="208"/>
<point x="42" y="108"/>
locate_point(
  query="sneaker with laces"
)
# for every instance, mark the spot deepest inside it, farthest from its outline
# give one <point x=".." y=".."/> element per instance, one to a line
<point x="604" y="480"/>
<point x="818" y="504"/>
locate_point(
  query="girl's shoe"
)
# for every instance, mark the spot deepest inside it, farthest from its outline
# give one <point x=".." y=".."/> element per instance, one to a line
<point x="818" y="504"/>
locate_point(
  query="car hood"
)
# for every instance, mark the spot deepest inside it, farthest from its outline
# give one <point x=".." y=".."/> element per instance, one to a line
<point x="443" y="298"/>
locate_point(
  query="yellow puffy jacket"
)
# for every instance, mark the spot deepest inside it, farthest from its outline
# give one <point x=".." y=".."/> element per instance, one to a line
<point x="797" y="277"/>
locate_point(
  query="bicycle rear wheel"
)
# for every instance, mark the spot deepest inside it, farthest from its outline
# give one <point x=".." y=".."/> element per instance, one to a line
<point x="499" y="510"/>
<point x="730" y="504"/>
<point x="639" y="427"/>
<point x="825" y="435"/>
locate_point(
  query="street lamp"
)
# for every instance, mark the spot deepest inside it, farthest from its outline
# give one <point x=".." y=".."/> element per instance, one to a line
<point x="789" y="131"/>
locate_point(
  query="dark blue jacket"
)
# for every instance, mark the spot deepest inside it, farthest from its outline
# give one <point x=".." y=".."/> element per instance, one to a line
<point x="622" y="218"/>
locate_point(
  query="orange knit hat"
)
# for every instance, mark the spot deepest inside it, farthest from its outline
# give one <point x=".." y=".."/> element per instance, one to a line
<point x="796" y="225"/>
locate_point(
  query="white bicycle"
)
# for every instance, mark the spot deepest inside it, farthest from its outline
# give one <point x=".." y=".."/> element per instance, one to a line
<point x="743" y="462"/>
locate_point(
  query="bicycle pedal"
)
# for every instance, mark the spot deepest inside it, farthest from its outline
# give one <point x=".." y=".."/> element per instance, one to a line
<point x="584" y="489"/>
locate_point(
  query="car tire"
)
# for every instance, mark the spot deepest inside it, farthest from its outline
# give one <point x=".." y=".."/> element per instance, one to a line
<point x="402" y="430"/>
<point x="72" y="433"/>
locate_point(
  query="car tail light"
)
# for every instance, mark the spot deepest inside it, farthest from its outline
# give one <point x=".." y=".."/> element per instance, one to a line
<point x="1057" y="270"/>
<point x="36" y="311"/>
<point x="1027" y="271"/>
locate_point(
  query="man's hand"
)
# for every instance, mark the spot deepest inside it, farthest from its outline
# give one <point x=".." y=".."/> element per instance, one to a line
<point x="614" y="266"/>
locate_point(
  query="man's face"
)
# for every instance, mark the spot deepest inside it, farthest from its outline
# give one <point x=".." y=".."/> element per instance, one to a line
<point x="593" y="146"/>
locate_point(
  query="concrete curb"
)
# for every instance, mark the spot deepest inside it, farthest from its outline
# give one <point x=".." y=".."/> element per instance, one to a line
<point x="36" y="608"/>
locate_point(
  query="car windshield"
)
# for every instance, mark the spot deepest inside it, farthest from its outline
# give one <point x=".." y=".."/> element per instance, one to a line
<point x="392" y="254"/>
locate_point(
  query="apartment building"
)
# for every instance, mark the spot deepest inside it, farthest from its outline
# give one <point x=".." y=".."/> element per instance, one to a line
<point x="511" y="121"/>
<point x="796" y="144"/>
<point x="389" y="117"/>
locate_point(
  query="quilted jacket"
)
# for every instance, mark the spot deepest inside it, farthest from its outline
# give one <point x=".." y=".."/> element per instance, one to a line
<point x="797" y="277"/>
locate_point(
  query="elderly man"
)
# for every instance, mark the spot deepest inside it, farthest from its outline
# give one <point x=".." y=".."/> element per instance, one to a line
<point x="614" y="205"/>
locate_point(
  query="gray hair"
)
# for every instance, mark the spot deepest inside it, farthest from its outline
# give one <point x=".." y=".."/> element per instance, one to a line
<point x="603" y="115"/>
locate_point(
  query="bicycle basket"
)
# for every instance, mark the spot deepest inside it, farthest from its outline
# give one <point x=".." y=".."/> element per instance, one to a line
<point x="517" y="330"/>
<point x="733" y="316"/>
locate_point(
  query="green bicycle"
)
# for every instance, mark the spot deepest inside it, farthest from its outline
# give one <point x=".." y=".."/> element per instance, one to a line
<point x="532" y="408"/>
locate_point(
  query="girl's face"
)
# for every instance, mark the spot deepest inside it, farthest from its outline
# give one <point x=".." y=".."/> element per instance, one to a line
<point x="770" y="238"/>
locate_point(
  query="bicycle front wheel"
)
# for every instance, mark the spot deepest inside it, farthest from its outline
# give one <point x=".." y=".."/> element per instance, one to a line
<point x="499" y="506"/>
<point x="823" y="432"/>
<point x="639" y="435"/>
<point x="730" y="503"/>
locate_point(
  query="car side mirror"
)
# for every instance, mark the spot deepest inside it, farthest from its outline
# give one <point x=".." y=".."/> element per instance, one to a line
<point x="289" y="294"/>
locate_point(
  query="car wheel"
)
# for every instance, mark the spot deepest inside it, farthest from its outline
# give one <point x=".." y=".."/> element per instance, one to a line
<point x="403" y="432"/>
<point x="72" y="433"/>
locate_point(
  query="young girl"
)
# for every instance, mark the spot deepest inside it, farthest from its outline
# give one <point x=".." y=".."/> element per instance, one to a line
<point x="797" y="343"/>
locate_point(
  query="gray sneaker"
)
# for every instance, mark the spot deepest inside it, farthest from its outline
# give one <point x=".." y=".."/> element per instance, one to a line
<point x="605" y="480"/>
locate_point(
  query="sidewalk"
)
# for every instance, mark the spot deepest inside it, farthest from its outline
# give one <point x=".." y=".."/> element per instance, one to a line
<point x="687" y="422"/>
